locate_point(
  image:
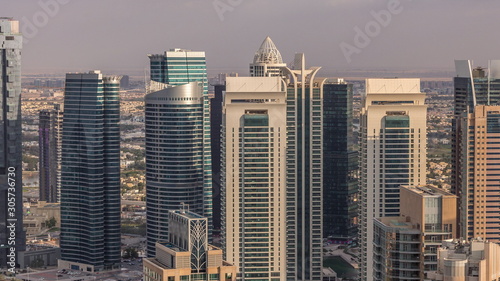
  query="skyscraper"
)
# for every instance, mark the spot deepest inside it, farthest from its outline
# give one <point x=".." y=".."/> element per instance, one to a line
<point x="392" y="153"/>
<point x="215" y="132"/>
<point x="90" y="189"/>
<point x="340" y="162"/>
<point x="478" y="168"/>
<point x="474" y="164"/>
<point x="50" y="142"/>
<point x="179" y="67"/>
<point x="12" y="236"/>
<point x="174" y="156"/>
<point x="267" y="61"/>
<point x="304" y="171"/>
<point x="254" y="177"/>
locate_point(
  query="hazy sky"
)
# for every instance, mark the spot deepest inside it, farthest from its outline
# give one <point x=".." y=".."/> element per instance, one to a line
<point x="79" y="35"/>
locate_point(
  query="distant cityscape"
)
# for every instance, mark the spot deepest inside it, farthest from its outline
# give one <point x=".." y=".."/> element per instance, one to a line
<point x="278" y="173"/>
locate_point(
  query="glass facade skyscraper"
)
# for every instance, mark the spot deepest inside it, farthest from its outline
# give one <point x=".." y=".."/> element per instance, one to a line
<point x="90" y="190"/>
<point x="11" y="187"/>
<point x="340" y="162"/>
<point x="174" y="156"/>
<point x="179" y="67"/>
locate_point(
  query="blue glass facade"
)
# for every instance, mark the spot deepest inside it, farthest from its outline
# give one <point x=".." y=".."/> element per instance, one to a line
<point x="174" y="160"/>
<point x="180" y="67"/>
<point x="90" y="191"/>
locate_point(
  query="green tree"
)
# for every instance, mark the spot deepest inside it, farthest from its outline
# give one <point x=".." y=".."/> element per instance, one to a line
<point x="50" y="223"/>
<point x="130" y="253"/>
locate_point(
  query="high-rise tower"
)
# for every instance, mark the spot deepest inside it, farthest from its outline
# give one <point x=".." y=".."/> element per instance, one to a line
<point x="50" y="142"/>
<point x="180" y="67"/>
<point x="174" y="162"/>
<point x="304" y="171"/>
<point x="254" y="177"/>
<point x="267" y="61"/>
<point x="392" y="153"/>
<point x="340" y="160"/>
<point x="474" y="164"/>
<point x="12" y="235"/>
<point x="478" y="167"/>
<point x="90" y="189"/>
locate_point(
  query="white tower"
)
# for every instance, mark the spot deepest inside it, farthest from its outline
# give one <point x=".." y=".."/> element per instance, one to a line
<point x="254" y="177"/>
<point x="393" y="153"/>
<point x="267" y="61"/>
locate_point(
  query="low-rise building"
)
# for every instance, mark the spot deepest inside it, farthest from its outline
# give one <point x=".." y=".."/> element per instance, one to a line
<point x="477" y="260"/>
<point x="405" y="247"/>
<point x="187" y="255"/>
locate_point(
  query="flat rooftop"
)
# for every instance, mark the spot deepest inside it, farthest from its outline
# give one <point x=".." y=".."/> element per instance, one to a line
<point x="188" y="214"/>
<point x="398" y="222"/>
<point x="427" y="190"/>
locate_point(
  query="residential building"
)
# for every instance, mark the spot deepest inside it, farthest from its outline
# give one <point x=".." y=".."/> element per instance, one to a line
<point x="90" y="179"/>
<point x="253" y="182"/>
<point x="174" y="161"/>
<point x="179" y="67"/>
<point x="478" y="183"/>
<point x="340" y="163"/>
<point x="405" y="247"/>
<point x="397" y="254"/>
<point x="474" y="176"/>
<point x="304" y="213"/>
<point x="392" y="153"/>
<point x="12" y="236"/>
<point x="267" y="61"/>
<point x="476" y="260"/>
<point x="215" y="133"/>
<point x="50" y="142"/>
<point x="186" y="255"/>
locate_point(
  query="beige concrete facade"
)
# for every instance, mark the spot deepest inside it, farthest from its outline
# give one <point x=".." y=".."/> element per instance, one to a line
<point x="187" y="255"/>
<point x="479" y="181"/>
<point x="477" y="260"/>
<point x="254" y="177"/>
<point x="393" y="149"/>
<point x="406" y="246"/>
<point x="173" y="264"/>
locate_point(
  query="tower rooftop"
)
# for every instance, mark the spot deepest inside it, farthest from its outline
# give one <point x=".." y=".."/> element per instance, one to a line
<point x="267" y="53"/>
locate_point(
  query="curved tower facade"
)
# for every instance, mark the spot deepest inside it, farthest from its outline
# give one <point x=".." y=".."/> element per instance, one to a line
<point x="174" y="156"/>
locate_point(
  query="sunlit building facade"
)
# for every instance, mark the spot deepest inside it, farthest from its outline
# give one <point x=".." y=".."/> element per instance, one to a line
<point x="254" y="177"/>
<point x="178" y="67"/>
<point x="174" y="156"/>
<point x="392" y="153"/>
